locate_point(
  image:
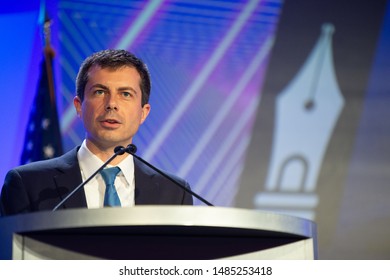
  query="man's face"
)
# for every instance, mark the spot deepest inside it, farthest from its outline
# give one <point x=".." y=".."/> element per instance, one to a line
<point x="111" y="110"/>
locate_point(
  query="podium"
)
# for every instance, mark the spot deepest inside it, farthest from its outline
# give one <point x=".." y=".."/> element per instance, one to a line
<point x="157" y="232"/>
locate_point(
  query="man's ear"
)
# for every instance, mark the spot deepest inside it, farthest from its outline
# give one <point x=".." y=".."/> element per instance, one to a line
<point x="77" y="105"/>
<point x="145" y="112"/>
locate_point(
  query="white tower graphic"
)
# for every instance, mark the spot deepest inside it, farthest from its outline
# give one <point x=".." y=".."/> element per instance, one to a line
<point x="306" y="113"/>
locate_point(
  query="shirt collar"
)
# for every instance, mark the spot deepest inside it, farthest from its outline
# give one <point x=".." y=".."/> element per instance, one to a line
<point x="89" y="163"/>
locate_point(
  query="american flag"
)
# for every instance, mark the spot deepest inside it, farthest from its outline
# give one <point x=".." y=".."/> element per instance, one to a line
<point x="43" y="136"/>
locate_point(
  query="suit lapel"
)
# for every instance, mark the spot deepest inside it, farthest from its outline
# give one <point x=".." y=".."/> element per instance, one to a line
<point x="146" y="188"/>
<point x="68" y="179"/>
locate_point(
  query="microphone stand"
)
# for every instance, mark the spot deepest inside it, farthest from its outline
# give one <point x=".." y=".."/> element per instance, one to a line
<point x="117" y="151"/>
<point x="132" y="149"/>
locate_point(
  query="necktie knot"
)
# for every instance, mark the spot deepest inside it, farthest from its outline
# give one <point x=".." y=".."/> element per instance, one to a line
<point x="109" y="174"/>
<point x="111" y="197"/>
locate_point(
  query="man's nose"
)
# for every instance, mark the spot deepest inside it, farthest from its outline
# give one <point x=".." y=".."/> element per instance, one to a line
<point x="111" y="102"/>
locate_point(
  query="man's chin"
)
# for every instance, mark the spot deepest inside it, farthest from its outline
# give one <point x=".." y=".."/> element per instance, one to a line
<point x="109" y="143"/>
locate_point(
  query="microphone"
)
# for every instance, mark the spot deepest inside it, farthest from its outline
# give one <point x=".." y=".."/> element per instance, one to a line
<point x="119" y="150"/>
<point x="132" y="149"/>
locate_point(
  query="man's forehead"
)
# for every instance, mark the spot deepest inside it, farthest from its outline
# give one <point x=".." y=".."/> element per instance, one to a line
<point x="125" y="71"/>
<point x="120" y="78"/>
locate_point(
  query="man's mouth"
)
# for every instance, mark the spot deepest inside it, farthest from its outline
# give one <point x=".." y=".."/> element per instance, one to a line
<point x="111" y="121"/>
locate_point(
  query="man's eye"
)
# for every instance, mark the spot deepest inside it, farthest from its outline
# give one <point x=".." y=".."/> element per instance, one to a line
<point x="126" y="94"/>
<point x="99" y="92"/>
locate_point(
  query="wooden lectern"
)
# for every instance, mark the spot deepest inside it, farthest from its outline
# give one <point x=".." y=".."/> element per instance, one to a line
<point x="157" y="232"/>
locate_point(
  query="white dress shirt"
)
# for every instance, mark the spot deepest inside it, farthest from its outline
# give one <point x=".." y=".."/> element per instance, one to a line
<point x="95" y="188"/>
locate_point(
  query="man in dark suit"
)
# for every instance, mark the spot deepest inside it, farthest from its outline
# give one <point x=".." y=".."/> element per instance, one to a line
<point x="113" y="89"/>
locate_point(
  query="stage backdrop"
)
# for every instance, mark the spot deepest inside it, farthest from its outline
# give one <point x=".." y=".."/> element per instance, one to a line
<point x="262" y="104"/>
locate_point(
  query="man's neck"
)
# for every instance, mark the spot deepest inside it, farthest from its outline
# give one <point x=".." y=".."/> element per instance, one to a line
<point x="104" y="153"/>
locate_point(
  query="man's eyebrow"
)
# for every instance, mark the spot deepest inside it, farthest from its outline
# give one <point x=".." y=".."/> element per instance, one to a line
<point x="127" y="88"/>
<point x="99" y="86"/>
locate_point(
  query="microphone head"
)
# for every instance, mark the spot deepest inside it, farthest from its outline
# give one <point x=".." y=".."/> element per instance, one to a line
<point x="119" y="150"/>
<point x="131" y="149"/>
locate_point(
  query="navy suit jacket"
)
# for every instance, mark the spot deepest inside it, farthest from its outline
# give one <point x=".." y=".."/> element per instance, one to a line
<point x="41" y="185"/>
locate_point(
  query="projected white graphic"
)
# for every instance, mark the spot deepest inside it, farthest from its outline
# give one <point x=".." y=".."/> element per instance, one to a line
<point x="306" y="113"/>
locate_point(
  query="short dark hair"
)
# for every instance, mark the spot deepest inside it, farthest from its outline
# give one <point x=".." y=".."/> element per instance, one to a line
<point x="114" y="59"/>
